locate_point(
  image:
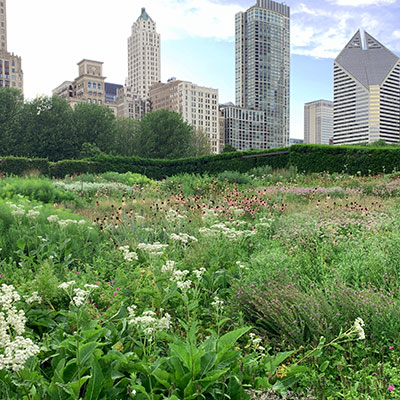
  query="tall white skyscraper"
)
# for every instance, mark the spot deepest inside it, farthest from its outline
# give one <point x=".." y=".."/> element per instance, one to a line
<point x="262" y="71"/>
<point x="144" y="66"/>
<point x="366" y="92"/>
<point x="318" y="122"/>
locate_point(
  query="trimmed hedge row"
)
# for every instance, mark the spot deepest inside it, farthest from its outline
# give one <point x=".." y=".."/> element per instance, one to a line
<point x="308" y="158"/>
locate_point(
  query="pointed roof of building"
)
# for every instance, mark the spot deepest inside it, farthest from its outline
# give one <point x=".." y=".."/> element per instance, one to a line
<point x="145" y="16"/>
<point x="366" y="59"/>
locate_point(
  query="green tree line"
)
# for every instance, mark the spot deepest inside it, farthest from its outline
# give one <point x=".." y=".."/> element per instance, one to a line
<point x="47" y="127"/>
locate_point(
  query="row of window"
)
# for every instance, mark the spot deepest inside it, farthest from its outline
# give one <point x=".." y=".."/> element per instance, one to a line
<point x="94" y="101"/>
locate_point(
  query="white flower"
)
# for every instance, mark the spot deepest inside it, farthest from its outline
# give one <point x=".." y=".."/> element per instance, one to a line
<point x="148" y="321"/>
<point x="358" y="327"/>
<point x="169" y="267"/>
<point x="18" y="211"/>
<point x="218" y="304"/>
<point x="34" y="298"/>
<point x="127" y="254"/>
<point x="199" y="272"/>
<point x="154" y="249"/>
<point x="88" y="286"/>
<point x="66" y="285"/>
<point x="52" y="218"/>
<point x="14" y="349"/>
<point x="182" y="237"/>
<point x="32" y="214"/>
<point x="80" y="297"/>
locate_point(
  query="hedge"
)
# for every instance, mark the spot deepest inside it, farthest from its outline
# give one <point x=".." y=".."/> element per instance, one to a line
<point x="308" y="158"/>
<point x="23" y="165"/>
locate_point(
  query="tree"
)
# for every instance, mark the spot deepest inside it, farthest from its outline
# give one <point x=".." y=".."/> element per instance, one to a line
<point x="11" y="109"/>
<point x="47" y="130"/>
<point x="125" y="137"/>
<point x="201" y="144"/>
<point x="164" y="134"/>
<point x="228" y="148"/>
<point x="94" y="124"/>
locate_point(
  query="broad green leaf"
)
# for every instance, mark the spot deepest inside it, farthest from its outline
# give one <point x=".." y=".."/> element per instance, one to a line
<point x="95" y="384"/>
<point x="85" y="351"/>
<point x="21" y="244"/>
<point x="230" y="338"/>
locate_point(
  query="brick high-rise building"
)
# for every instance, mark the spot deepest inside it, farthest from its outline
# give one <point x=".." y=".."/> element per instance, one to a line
<point x="11" y="74"/>
<point x="144" y="65"/>
<point x="198" y="106"/>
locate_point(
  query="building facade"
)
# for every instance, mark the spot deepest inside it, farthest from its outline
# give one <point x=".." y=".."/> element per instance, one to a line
<point x="366" y="93"/>
<point x="262" y="74"/>
<point x="198" y="106"/>
<point x="318" y="122"/>
<point x="144" y="61"/>
<point x="88" y="87"/>
<point x="11" y="74"/>
<point x="130" y="105"/>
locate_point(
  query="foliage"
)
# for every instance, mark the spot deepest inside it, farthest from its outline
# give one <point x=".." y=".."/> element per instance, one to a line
<point x="197" y="287"/>
<point x="164" y="134"/>
<point x="228" y="148"/>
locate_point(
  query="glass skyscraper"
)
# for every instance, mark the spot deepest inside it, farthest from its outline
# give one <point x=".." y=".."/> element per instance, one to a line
<point x="262" y="70"/>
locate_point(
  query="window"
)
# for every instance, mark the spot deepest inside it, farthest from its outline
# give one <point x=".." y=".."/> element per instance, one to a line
<point x="89" y="101"/>
<point x="94" y="101"/>
<point x="89" y="84"/>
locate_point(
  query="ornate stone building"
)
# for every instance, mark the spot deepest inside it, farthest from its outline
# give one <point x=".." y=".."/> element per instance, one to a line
<point x="11" y="74"/>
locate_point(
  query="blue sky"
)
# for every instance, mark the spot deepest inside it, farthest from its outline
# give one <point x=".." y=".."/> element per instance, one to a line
<point x="197" y="40"/>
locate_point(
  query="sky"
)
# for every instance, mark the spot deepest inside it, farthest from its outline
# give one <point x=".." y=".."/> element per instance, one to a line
<point x="197" y="41"/>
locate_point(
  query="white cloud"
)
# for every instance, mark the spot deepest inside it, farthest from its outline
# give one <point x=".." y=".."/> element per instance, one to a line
<point x="358" y="3"/>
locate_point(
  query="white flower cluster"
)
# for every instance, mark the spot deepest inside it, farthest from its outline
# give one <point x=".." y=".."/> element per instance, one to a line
<point x="199" y="272"/>
<point x="218" y="304"/>
<point x="173" y="215"/>
<point x="78" y="296"/>
<point x="178" y="276"/>
<point x="256" y="343"/>
<point x="34" y="298"/>
<point x="154" y="249"/>
<point x="17" y="209"/>
<point x="32" y="214"/>
<point x="148" y="321"/>
<point x="93" y="186"/>
<point x="358" y="328"/>
<point x="127" y="254"/>
<point x="183" y="237"/>
<point x="64" y="222"/>
<point x="222" y="229"/>
<point x="14" y="348"/>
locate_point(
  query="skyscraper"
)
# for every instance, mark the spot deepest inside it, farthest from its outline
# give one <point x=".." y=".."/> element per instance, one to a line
<point x="11" y="74"/>
<point x="262" y="70"/>
<point x="144" y="67"/>
<point x="366" y="92"/>
<point x="318" y="122"/>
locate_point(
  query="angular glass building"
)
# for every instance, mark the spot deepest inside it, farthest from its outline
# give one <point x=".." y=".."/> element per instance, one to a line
<point x="262" y="73"/>
<point x="366" y="92"/>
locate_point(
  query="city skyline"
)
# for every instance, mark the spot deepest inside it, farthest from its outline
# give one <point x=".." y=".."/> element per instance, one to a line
<point x="319" y="29"/>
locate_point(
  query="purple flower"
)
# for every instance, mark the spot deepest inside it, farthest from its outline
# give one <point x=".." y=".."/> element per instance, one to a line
<point x="390" y="388"/>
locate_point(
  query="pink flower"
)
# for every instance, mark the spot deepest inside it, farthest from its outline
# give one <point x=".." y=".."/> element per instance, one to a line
<point x="115" y="293"/>
<point x="391" y="347"/>
<point x="390" y="388"/>
<point x="1" y="275"/>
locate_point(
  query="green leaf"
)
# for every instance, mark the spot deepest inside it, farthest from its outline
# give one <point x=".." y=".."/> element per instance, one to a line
<point x="21" y="244"/>
<point x="85" y="351"/>
<point x="228" y="340"/>
<point x="214" y="375"/>
<point x="324" y="366"/>
<point x="95" y="383"/>
<point x="182" y="354"/>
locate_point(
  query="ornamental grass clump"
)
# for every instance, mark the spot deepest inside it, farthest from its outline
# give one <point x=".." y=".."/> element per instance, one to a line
<point x="15" y="349"/>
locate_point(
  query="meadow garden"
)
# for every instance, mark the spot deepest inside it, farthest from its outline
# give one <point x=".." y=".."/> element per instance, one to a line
<point x="259" y="285"/>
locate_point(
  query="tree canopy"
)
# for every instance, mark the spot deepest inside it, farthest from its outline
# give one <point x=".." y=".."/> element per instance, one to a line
<point x="48" y="127"/>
